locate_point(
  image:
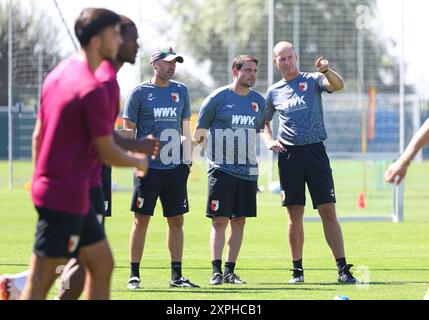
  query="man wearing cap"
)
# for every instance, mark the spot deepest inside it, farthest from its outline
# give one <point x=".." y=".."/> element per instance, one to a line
<point x="161" y="107"/>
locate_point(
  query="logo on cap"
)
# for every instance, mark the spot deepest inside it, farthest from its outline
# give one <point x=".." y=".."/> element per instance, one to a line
<point x="167" y="54"/>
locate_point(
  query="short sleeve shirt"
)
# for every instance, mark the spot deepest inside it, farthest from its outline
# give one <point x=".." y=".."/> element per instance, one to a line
<point x="300" y="108"/>
<point x="72" y="114"/>
<point x="106" y="75"/>
<point x="233" y="122"/>
<point x="160" y="111"/>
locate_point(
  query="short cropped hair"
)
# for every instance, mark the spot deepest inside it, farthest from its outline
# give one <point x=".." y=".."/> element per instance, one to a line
<point x="92" y="21"/>
<point x="240" y="60"/>
<point x="126" y="23"/>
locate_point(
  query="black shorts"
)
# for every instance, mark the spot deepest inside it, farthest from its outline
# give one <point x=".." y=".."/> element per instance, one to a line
<point x="231" y="197"/>
<point x="96" y="196"/>
<point x="60" y="234"/>
<point x="169" y="185"/>
<point x="92" y="231"/>
<point x="301" y="165"/>
<point x="106" y="175"/>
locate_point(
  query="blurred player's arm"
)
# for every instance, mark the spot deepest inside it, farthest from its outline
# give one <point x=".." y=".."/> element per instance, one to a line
<point x="130" y="126"/>
<point x="125" y="133"/>
<point x="186" y="141"/>
<point x="400" y="166"/>
<point x="200" y="137"/>
<point x="35" y="143"/>
<point x="333" y="82"/>
<point x="150" y="145"/>
<point x="205" y="120"/>
<point x="113" y="155"/>
<point x="267" y="137"/>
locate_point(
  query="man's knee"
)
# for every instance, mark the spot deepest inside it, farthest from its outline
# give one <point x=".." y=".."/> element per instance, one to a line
<point x="238" y="223"/>
<point x="45" y="271"/>
<point x="296" y="214"/>
<point x="98" y="259"/>
<point x="175" y="222"/>
<point x="220" y="223"/>
<point x="328" y="213"/>
<point x="141" y="221"/>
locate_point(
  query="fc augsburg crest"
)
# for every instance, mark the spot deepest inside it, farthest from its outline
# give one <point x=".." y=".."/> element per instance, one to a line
<point x="255" y="107"/>
<point x="175" y="97"/>
<point x="215" y="205"/>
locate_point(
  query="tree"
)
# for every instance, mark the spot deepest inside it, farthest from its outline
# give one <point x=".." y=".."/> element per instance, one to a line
<point x="35" y="44"/>
<point x="326" y="27"/>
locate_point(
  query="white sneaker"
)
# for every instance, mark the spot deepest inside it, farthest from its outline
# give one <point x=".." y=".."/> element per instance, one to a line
<point x="297" y="276"/>
<point x="216" y="279"/>
<point x="8" y="290"/>
<point x="426" y="297"/>
<point x="134" y="283"/>
<point x="295" y="280"/>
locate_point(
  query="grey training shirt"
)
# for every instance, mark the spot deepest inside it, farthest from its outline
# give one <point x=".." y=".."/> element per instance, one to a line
<point x="300" y="108"/>
<point x="160" y="111"/>
<point x="233" y="121"/>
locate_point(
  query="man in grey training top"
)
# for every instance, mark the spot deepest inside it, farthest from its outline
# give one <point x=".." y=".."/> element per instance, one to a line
<point x="233" y="114"/>
<point x="302" y="155"/>
<point x="161" y="107"/>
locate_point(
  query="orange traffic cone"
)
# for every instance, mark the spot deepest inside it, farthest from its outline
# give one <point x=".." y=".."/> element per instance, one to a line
<point x="361" y="201"/>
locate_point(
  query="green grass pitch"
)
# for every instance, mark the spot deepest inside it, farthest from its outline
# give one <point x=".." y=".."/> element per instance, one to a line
<point x="393" y="259"/>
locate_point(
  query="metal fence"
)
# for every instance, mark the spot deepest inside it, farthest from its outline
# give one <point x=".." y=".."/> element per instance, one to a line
<point x="372" y="119"/>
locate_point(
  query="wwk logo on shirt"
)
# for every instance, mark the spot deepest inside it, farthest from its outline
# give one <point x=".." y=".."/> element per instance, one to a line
<point x="165" y="113"/>
<point x="243" y="121"/>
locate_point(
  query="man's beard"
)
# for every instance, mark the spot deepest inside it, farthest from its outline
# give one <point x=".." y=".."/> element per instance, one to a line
<point x="246" y="84"/>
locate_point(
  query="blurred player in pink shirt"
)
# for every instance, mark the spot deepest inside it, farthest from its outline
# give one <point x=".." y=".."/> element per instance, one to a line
<point x="73" y="276"/>
<point x="73" y="129"/>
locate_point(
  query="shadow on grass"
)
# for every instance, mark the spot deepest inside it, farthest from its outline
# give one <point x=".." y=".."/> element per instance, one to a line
<point x="225" y="290"/>
<point x="25" y="265"/>
<point x="272" y="269"/>
<point x="386" y="283"/>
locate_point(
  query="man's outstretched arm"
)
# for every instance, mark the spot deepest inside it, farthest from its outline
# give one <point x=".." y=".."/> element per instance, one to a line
<point x="398" y="170"/>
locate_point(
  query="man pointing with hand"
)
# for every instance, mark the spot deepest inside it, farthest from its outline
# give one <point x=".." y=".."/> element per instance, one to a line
<point x="302" y="155"/>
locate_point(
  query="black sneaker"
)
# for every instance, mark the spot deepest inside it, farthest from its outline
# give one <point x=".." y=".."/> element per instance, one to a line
<point x="297" y="276"/>
<point x="182" y="283"/>
<point x="232" y="278"/>
<point x="345" y="276"/>
<point x="216" y="279"/>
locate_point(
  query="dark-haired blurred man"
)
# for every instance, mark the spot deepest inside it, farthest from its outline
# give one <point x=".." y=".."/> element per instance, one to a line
<point x="73" y="275"/>
<point x="72" y="130"/>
